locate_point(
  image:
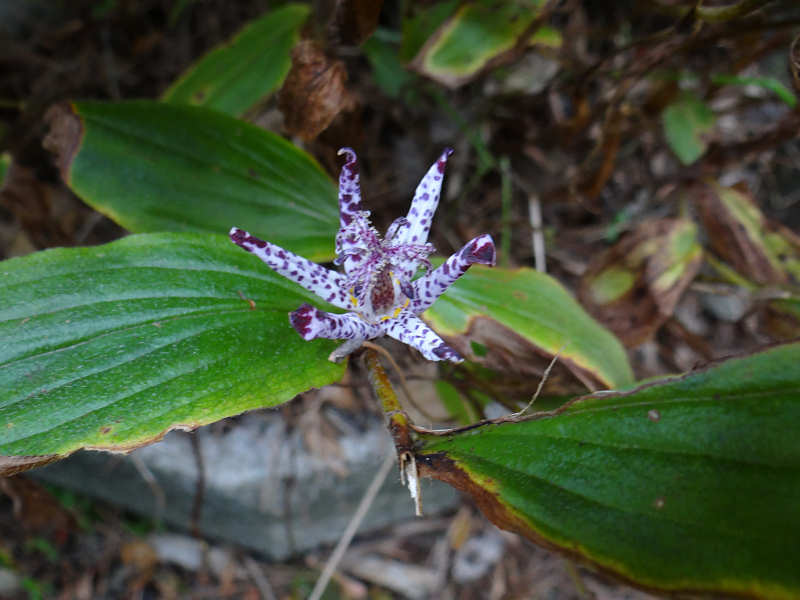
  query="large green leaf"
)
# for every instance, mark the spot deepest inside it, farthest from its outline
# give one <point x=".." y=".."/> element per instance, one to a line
<point x="537" y="308"/>
<point x="691" y="483"/>
<point x="111" y="346"/>
<point x="236" y="75"/>
<point x="152" y="166"/>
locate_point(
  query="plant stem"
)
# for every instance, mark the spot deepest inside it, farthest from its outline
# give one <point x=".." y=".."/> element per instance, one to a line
<point x="397" y="420"/>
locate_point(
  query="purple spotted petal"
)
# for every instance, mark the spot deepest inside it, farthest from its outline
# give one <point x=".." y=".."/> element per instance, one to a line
<point x="410" y="330"/>
<point x="429" y="287"/>
<point x="328" y="285"/>
<point x="426" y="199"/>
<point x="311" y="322"/>
<point x="356" y="240"/>
<point x="349" y="188"/>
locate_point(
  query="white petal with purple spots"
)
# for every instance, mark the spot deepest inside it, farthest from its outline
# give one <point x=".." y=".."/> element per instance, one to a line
<point x="426" y="199"/>
<point x="323" y="282"/>
<point x="311" y="322"/>
<point x="429" y="287"/>
<point x="410" y="330"/>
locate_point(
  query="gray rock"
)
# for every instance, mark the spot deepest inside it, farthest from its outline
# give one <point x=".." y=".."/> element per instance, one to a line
<point x="263" y="489"/>
<point x="10" y="583"/>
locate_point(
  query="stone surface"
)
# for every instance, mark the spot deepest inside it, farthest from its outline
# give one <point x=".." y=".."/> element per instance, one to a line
<point x="263" y="488"/>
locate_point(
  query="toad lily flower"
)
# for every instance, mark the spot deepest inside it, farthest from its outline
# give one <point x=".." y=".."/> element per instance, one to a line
<point x="376" y="286"/>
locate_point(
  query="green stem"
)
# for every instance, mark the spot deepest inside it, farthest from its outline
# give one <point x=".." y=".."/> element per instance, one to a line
<point x="397" y="419"/>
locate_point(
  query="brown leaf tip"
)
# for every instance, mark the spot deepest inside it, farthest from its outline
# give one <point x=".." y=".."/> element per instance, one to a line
<point x="65" y="136"/>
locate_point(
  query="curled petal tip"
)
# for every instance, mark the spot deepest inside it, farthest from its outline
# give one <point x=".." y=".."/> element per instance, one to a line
<point x="349" y="152"/>
<point x="445" y="352"/>
<point x="238" y="236"/>
<point x="440" y="162"/>
<point x="483" y="251"/>
<point x="301" y="320"/>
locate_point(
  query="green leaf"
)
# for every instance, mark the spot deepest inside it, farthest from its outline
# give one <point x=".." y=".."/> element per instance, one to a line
<point x="547" y="37"/>
<point x="475" y="35"/>
<point x="768" y="83"/>
<point x="418" y="29"/>
<point x="151" y="166"/>
<point x="389" y="73"/>
<point x="238" y="74"/>
<point x="456" y="405"/>
<point x="688" y="484"/>
<point x="686" y="121"/>
<point x="537" y="308"/>
<point x="5" y="163"/>
<point x="109" y="347"/>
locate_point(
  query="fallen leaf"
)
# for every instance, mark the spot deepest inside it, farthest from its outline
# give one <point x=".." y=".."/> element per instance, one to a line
<point x="633" y="287"/>
<point x="761" y="250"/>
<point x="36" y="508"/>
<point x="478" y="37"/>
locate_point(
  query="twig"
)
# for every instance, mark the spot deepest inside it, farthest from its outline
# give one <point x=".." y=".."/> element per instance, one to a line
<point x="261" y="581"/>
<point x="537" y="237"/>
<point x="715" y="14"/>
<point x="505" y="214"/>
<point x="200" y="486"/>
<point x="545" y="375"/>
<point x="575" y="575"/>
<point x="151" y="481"/>
<point x="352" y="527"/>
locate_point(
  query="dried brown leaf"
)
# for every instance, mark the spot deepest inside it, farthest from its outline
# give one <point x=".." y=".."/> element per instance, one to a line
<point x="36" y="508"/>
<point x="757" y="248"/>
<point x="64" y="137"/>
<point x="520" y="361"/>
<point x="314" y="91"/>
<point x="48" y="214"/>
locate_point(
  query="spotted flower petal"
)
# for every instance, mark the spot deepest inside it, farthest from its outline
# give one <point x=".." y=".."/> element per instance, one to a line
<point x="417" y="225"/>
<point x="349" y="188"/>
<point x="428" y="288"/>
<point x="425" y="202"/>
<point x="311" y="322"/>
<point x="327" y="284"/>
<point x="410" y="330"/>
<point x="356" y="235"/>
